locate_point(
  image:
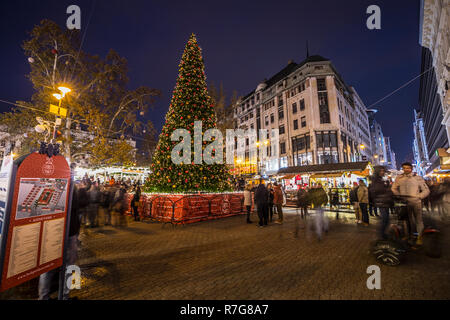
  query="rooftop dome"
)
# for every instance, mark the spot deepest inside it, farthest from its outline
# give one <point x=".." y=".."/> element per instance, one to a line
<point x="261" y="86"/>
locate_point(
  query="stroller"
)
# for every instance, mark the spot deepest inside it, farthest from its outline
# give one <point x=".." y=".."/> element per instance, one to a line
<point x="401" y="239"/>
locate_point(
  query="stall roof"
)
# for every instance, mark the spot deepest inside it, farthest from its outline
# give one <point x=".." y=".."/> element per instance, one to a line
<point x="328" y="167"/>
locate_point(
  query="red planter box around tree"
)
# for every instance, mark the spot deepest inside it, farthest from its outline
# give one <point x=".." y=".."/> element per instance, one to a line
<point x="183" y="208"/>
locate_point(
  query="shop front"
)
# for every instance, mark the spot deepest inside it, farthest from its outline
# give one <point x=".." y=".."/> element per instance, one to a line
<point x="335" y="178"/>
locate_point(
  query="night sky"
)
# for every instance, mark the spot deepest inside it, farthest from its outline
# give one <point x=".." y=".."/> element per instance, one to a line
<point x="243" y="42"/>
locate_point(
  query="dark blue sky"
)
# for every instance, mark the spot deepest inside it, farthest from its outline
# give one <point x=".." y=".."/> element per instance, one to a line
<point x="243" y="42"/>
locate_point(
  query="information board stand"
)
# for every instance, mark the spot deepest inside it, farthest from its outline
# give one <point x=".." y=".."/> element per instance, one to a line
<point x="35" y="222"/>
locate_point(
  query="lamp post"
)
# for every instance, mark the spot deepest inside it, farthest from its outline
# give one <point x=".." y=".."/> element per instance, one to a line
<point x="60" y="97"/>
<point x="45" y="125"/>
<point x="361" y="147"/>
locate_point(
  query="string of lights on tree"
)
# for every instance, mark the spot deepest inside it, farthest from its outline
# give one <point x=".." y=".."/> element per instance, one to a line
<point x="190" y="102"/>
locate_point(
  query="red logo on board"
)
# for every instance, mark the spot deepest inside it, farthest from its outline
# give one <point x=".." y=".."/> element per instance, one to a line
<point x="48" y="168"/>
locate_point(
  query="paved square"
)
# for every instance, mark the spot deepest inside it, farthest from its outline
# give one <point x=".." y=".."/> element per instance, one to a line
<point x="229" y="259"/>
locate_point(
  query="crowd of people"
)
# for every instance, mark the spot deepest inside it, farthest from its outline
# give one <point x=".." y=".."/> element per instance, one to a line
<point x="376" y="200"/>
<point x="107" y="202"/>
<point x="92" y="201"/>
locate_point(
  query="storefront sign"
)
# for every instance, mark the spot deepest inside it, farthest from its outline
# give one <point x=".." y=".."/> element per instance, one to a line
<point x="34" y="237"/>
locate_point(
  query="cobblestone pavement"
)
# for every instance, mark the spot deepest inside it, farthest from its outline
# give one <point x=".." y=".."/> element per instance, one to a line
<point x="229" y="259"/>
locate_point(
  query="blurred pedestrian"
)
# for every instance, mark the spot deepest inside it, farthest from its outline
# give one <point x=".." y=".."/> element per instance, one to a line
<point x="79" y="201"/>
<point x="302" y="202"/>
<point x="382" y="197"/>
<point x="135" y="202"/>
<point x="354" y="200"/>
<point x="248" y="201"/>
<point x="334" y="201"/>
<point x="94" y="202"/>
<point x="319" y="198"/>
<point x="278" y="202"/>
<point x="363" y="200"/>
<point x="104" y="204"/>
<point x="270" y="201"/>
<point x="120" y="206"/>
<point x="262" y="200"/>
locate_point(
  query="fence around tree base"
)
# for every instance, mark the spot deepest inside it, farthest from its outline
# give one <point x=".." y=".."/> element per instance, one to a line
<point x="189" y="208"/>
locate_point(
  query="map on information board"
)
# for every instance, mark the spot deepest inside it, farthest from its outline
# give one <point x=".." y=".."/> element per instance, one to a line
<point x="41" y="196"/>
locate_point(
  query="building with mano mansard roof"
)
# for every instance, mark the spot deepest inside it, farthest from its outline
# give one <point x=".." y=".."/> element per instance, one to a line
<point x="320" y="118"/>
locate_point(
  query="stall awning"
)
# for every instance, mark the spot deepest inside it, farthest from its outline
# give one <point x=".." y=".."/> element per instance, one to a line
<point x="327" y="168"/>
<point x="287" y="176"/>
<point x="326" y="175"/>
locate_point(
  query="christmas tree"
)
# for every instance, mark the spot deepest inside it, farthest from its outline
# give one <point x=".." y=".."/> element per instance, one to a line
<point x="190" y="102"/>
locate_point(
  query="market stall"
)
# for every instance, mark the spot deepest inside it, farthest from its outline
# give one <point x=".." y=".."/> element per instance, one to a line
<point x="334" y="177"/>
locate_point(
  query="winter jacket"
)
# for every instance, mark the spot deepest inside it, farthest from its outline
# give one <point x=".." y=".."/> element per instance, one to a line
<point x="79" y="201"/>
<point x="277" y="195"/>
<point x="353" y="195"/>
<point x="363" y="194"/>
<point x="380" y="193"/>
<point x="318" y="197"/>
<point x="413" y="187"/>
<point x="334" y="198"/>
<point x="247" y="198"/>
<point x="261" y="195"/>
<point x="271" y="196"/>
<point x="302" y="198"/>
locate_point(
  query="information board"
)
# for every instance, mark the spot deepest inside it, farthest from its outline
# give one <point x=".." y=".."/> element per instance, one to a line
<point x="37" y="219"/>
<point x="5" y="177"/>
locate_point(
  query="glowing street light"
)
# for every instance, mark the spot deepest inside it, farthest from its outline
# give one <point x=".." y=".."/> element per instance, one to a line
<point x="64" y="90"/>
<point x="58" y="96"/>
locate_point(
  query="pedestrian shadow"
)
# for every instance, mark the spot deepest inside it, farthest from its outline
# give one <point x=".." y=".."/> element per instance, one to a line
<point x="138" y="231"/>
<point x="101" y="271"/>
<point x="105" y="231"/>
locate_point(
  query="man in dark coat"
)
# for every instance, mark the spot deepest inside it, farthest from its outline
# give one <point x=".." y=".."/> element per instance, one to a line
<point x="382" y="197"/>
<point x="261" y="200"/>
<point x="302" y="202"/>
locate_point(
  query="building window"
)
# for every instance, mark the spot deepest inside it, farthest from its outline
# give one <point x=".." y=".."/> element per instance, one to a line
<point x="281" y="129"/>
<point x="303" y="121"/>
<point x="295" y="124"/>
<point x="294" y="108"/>
<point x="282" y="147"/>
<point x="280" y="113"/>
<point x="266" y="120"/>
<point x="301" y="143"/>
<point x="302" y="104"/>
<point x="280" y="100"/>
<point x="272" y="118"/>
<point x="323" y="107"/>
<point x="326" y="139"/>
<point x="321" y="85"/>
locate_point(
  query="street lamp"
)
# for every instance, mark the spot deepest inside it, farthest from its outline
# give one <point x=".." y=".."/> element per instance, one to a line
<point x="46" y="125"/>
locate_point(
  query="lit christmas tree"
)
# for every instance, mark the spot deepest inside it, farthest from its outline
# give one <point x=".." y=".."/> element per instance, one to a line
<point x="190" y="102"/>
